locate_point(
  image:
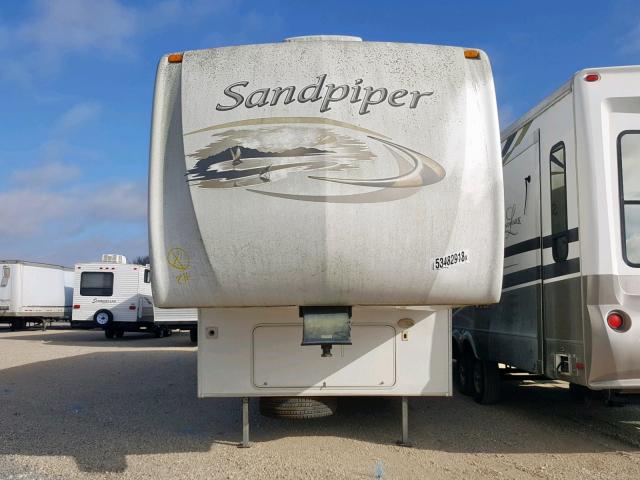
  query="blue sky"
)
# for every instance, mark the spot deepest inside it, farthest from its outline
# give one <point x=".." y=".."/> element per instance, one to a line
<point x="77" y="78"/>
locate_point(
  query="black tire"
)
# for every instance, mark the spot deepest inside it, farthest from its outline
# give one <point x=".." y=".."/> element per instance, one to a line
<point x="298" y="407"/>
<point x="19" y="324"/>
<point x="464" y="373"/>
<point x="103" y="318"/>
<point x="580" y="393"/>
<point x="119" y="333"/>
<point x="486" y="382"/>
<point x="168" y="332"/>
<point x="110" y="333"/>
<point x="193" y="334"/>
<point x="158" y="332"/>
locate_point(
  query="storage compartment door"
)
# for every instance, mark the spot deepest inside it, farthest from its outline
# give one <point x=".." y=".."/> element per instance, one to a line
<point x="279" y="361"/>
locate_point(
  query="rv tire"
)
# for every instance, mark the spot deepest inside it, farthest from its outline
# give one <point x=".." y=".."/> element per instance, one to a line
<point x="464" y="372"/>
<point x="19" y="324"/>
<point x="119" y="333"/>
<point x="110" y="333"/>
<point x="298" y="407"/>
<point x="159" y="332"/>
<point x="105" y="318"/>
<point x="486" y="382"/>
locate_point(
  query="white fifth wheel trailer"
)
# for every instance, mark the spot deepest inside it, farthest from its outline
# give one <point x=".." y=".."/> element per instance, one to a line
<point x="114" y="295"/>
<point x="34" y="293"/>
<point x="323" y="201"/>
<point x="178" y="319"/>
<point x="571" y="289"/>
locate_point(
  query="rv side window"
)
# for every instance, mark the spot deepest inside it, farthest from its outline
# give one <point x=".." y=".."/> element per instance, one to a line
<point x="629" y="184"/>
<point x="559" y="236"/>
<point x="147" y="276"/>
<point x="96" y="284"/>
<point x="6" y="273"/>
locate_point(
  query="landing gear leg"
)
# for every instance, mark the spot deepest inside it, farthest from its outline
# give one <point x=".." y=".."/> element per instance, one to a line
<point x="245" y="424"/>
<point x="405" y="424"/>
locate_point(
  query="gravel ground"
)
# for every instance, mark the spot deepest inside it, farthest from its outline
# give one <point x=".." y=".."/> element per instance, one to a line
<point x="74" y="405"/>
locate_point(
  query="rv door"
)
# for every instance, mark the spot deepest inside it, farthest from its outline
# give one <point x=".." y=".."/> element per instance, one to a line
<point x="5" y="288"/>
<point x="521" y="317"/>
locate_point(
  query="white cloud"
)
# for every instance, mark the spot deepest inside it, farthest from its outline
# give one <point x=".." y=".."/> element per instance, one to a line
<point x="51" y="173"/>
<point x="80" y="25"/>
<point x="26" y="212"/>
<point x="114" y="201"/>
<point x="77" y="116"/>
<point x="55" y="29"/>
<point x="29" y="211"/>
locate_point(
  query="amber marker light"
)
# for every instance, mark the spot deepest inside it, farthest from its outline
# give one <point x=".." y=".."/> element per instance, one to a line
<point x="470" y="53"/>
<point x="175" y="58"/>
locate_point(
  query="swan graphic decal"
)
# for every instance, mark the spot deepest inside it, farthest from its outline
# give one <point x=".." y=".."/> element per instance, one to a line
<point x="312" y="154"/>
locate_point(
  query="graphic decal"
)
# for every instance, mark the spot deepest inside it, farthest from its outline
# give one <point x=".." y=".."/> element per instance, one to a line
<point x="513" y="141"/>
<point x="261" y="152"/>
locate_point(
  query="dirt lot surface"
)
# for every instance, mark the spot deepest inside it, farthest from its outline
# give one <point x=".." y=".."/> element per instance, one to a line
<point x="74" y="405"/>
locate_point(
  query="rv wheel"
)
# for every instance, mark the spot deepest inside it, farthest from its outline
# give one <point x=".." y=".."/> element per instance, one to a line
<point x="103" y="317"/>
<point x="19" y="324"/>
<point x="159" y="332"/>
<point x="119" y="333"/>
<point x="298" y="407"/>
<point x="110" y="333"/>
<point x="486" y="382"/>
<point x="464" y="372"/>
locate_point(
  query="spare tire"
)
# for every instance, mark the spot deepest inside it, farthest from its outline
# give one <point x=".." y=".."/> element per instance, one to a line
<point x="103" y="317"/>
<point x="298" y="407"/>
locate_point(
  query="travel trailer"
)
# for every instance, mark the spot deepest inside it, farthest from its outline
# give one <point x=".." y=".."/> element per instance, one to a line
<point x="323" y="212"/>
<point x="571" y="285"/>
<point x="34" y="293"/>
<point x="114" y="295"/>
<point x="178" y="319"/>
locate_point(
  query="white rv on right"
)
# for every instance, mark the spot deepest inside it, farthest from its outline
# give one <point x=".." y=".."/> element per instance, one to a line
<point x="570" y="306"/>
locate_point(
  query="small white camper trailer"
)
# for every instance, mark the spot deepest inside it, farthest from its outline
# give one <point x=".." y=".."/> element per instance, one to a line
<point x="570" y="306"/>
<point x="323" y="201"/>
<point x="178" y="319"/>
<point x="34" y="293"/>
<point x="114" y="295"/>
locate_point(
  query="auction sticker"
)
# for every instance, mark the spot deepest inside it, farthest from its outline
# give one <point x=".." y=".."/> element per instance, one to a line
<point x="447" y="261"/>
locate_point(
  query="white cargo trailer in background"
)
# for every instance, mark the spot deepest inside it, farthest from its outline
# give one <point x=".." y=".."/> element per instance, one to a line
<point x="324" y="201"/>
<point x="34" y="292"/>
<point x="115" y="296"/>
<point x="571" y="290"/>
<point x="178" y="319"/>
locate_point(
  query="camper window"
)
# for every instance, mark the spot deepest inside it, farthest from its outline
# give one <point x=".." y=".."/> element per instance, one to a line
<point x="6" y="272"/>
<point x="96" y="284"/>
<point x="629" y="184"/>
<point x="559" y="235"/>
<point x="147" y="275"/>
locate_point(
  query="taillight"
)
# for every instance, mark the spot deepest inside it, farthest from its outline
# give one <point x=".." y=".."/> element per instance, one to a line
<point x="615" y="320"/>
<point x="76" y="307"/>
<point x="592" y="77"/>
<point x="132" y="307"/>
